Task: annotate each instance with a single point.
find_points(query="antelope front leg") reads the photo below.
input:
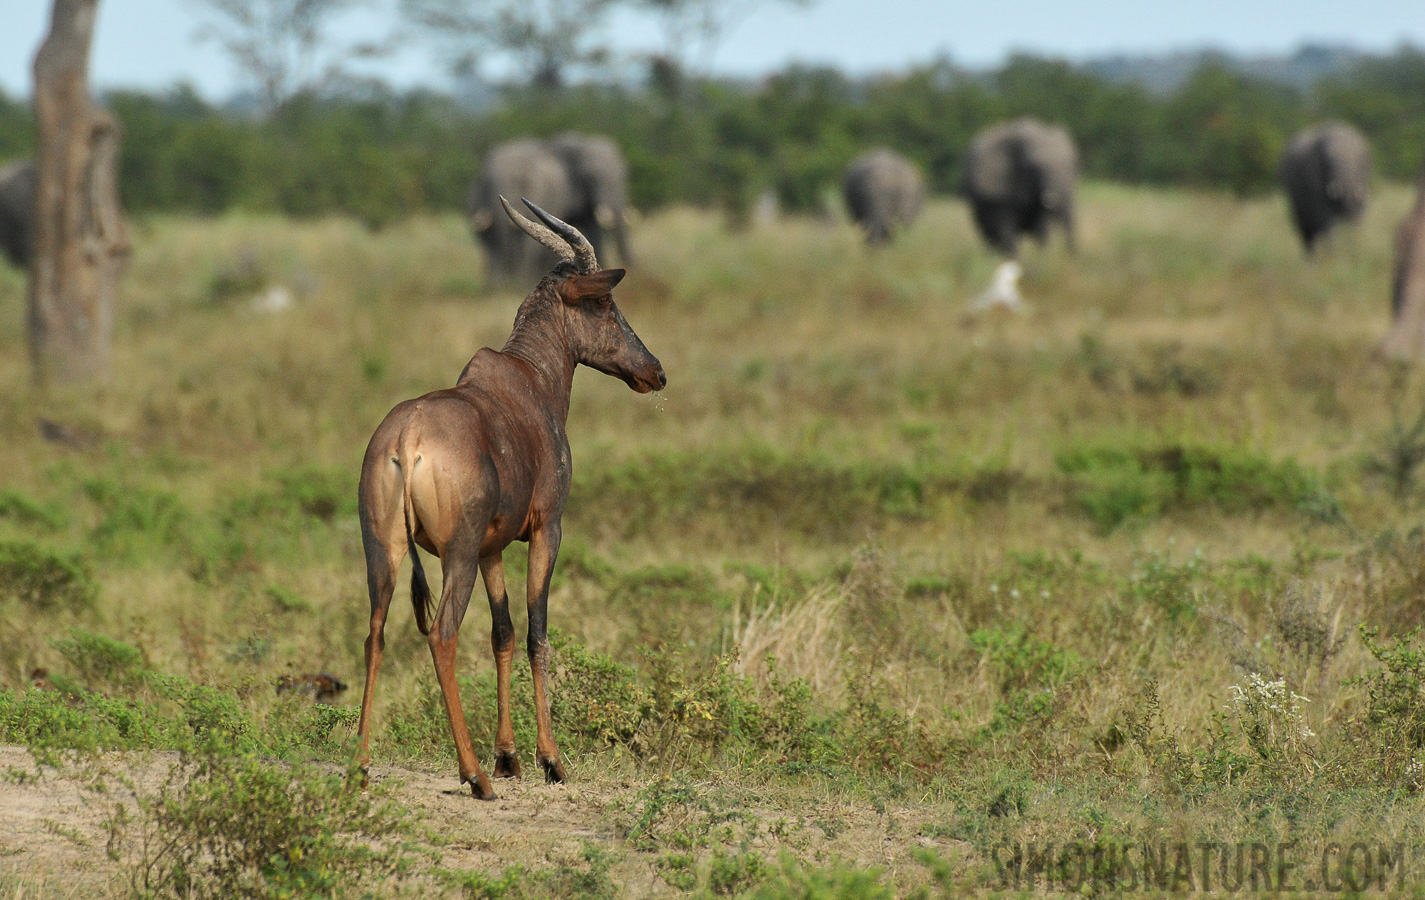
(543, 548)
(502, 642)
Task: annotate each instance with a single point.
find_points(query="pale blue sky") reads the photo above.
(149, 43)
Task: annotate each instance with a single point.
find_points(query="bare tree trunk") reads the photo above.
(1406, 338)
(80, 241)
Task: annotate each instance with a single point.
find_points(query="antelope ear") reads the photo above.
(578, 288)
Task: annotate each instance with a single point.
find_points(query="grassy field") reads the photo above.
(875, 596)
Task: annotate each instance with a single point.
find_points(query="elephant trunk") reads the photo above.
(613, 218)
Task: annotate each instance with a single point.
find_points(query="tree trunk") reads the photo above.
(80, 242)
(1406, 339)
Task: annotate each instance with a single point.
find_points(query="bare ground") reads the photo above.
(52, 842)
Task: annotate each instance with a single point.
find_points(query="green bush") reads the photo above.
(136, 519)
(43, 579)
(1394, 715)
(802, 493)
(17, 506)
(71, 718)
(795, 881)
(597, 700)
(237, 826)
(139, 708)
(320, 493)
(1112, 484)
(96, 658)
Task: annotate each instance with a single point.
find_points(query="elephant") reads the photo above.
(1326, 171)
(1406, 338)
(17, 211)
(579, 178)
(600, 176)
(884, 192)
(1019, 178)
(517, 169)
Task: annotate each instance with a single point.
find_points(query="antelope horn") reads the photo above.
(539, 232)
(583, 250)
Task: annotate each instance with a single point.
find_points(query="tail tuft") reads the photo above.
(419, 591)
(420, 588)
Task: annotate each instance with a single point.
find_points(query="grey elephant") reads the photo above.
(884, 192)
(1406, 338)
(579, 178)
(1326, 171)
(17, 211)
(600, 177)
(518, 169)
(1019, 177)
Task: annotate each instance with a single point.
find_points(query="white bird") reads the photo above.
(274, 299)
(1003, 290)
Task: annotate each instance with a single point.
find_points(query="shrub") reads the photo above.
(597, 699)
(1159, 582)
(71, 718)
(43, 579)
(1401, 449)
(1394, 715)
(215, 718)
(1270, 721)
(674, 812)
(292, 494)
(1028, 670)
(730, 872)
(795, 881)
(1022, 660)
(320, 493)
(221, 827)
(1112, 485)
(96, 658)
(17, 506)
(802, 493)
(147, 709)
(135, 518)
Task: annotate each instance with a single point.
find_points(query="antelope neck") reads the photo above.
(540, 340)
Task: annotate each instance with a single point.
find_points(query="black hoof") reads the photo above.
(507, 765)
(480, 787)
(553, 771)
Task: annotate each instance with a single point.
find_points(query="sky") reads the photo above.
(150, 44)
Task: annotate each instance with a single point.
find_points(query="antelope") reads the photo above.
(465, 471)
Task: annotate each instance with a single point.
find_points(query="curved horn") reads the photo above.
(583, 250)
(539, 232)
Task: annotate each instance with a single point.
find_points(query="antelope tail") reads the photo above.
(420, 588)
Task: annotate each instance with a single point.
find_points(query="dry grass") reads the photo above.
(848, 474)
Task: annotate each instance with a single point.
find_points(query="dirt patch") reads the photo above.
(52, 842)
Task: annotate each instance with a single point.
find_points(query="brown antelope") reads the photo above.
(463, 472)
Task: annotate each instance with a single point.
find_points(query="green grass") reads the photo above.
(873, 589)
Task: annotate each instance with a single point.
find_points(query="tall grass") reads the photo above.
(1060, 573)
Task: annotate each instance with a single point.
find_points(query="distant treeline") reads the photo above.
(717, 142)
